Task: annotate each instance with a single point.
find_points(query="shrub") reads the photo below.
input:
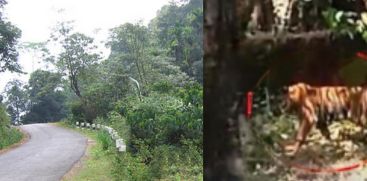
(77, 111)
(8, 135)
(4, 118)
(105, 139)
(176, 163)
(120, 124)
(163, 132)
(129, 167)
(163, 119)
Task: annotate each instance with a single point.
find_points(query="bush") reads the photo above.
(129, 167)
(163, 87)
(166, 117)
(105, 139)
(120, 124)
(8, 135)
(77, 111)
(163, 133)
(164, 162)
(177, 163)
(4, 118)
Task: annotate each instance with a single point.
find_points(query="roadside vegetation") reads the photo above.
(8, 134)
(8, 63)
(149, 89)
(96, 165)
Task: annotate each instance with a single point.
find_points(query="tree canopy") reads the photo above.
(8, 44)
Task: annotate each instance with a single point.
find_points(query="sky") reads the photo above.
(94, 18)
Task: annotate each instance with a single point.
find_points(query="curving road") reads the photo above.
(47, 156)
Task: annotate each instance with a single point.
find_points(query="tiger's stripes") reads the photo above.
(323, 104)
(362, 107)
(328, 102)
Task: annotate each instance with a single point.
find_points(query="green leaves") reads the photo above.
(105, 139)
(329, 16)
(178, 29)
(168, 116)
(338, 16)
(364, 18)
(77, 54)
(346, 23)
(9, 35)
(16, 98)
(45, 91)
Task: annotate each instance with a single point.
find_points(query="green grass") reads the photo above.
(167, 162)
(98, 163)
(9, 137)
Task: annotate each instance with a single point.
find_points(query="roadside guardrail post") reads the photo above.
(120, 145)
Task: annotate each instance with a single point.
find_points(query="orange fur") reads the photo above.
(328, 100)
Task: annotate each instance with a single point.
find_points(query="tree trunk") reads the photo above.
(224, 86)
(74, 86)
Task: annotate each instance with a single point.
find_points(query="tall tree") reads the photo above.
(76, 56)
(177, 27)
(130, 42)
(16, 98)
(9, 38)
(45, 92)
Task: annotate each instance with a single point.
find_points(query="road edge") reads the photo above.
(78, 165)
(74, 170)
(25, 139)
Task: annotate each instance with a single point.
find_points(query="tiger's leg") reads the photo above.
(322, 123)
(307, 122)
(355, 110)
(329, 115)
(360, 114)
(362, 110)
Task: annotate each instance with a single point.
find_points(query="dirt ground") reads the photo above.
(340, 158)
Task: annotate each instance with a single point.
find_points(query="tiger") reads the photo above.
(362, 109)
(315, 105)
(321, 105)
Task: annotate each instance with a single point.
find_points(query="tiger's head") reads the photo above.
(294, 95)
(281, 101)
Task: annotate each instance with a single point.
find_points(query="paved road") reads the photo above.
(47, 156)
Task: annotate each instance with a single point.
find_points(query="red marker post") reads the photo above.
(249, 97)
(362, 55)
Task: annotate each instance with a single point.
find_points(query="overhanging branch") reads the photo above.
(316, 51)
(292, 45)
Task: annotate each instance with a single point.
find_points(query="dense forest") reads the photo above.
(149, 89)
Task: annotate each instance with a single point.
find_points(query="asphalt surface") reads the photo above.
(47, 156)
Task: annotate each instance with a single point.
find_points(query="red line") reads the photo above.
(329, 170)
